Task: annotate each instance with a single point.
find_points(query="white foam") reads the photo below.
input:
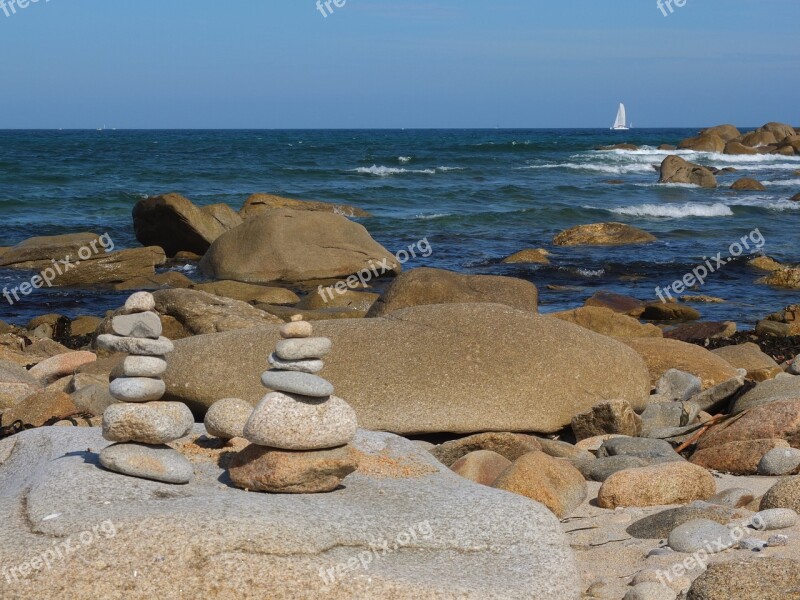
(381, 171)
(445, 169)
(780, 182)
(597, 167)
(675, 211)
(404, 159)
(433, 216)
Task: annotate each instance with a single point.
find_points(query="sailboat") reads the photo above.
(619, 124)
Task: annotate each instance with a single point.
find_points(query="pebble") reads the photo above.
(137, 389)
(297, 330)
(291, 423)
(774, 518)
(794, 368)
(678, 385)
(302, 366)
(701, 534)
(137, 325)
(302, 349)
(151, 423)
(779, 461)
(677, 583)
(777, 540)
(143, 366)
(660, 552)
(140, 302)
(650, 591)
(159, 463)
(293, 382)
(138, 346)
(227, 417)
(752, 544)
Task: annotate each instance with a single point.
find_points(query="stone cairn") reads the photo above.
(139, 423)
(299, 434)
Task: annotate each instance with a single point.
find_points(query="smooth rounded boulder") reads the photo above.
(603, 234)
(674, 169)
(661, 355)
(657, 485)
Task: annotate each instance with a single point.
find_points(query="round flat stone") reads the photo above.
(289, 422)
(700, 534)
(774, 518)
(297, 329)
(151, 423)
(140, 302)
(303, 366)
(227, 417)
(303, 349)
(294, 382)
(143, 366)
(159, 463)
(138, 325)
(137, 389)
(137, 346)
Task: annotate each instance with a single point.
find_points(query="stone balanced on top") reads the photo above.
(140, 424)
(300, 433)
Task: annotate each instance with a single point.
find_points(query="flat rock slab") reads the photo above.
(159, 463)
(294, 382)
(468, 542)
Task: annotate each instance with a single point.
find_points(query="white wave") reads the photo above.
(445, 169)
(404, 159)
(779, 182)
(429, 217)
(388, 171)
(597, 167)
(591, 272)
(675, 211)
(668, 185)
(764, 201)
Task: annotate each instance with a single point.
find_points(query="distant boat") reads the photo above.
(619, 124)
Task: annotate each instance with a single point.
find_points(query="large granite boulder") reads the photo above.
(258, 205)
(460, 368)
(402, 527)
(607, 322)
(175, 224)
(437, 286)
(291, 246)
(706, 142)
(726, 132)
(201, 312)
(661, 355)
(674, 169)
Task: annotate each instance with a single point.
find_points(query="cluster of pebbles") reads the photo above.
(300, 433)
(140, 425)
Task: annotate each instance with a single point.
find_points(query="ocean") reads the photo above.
(475, 195)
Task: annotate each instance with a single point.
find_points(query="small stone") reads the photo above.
(137, 346)
(270, 470)
(666, 551)
(227, 417)
(752, 544)
(481, 466)
(302, 366)
(614, 416)
(159, 463)
(602, 468)
(291, 422)
(659, 525)
(733, 497)
(137, 389)
(701, 534)
(774, 518)
(297, 329)
(293, 382)
(151, 423)
(650, 591)
(779, 461)
(143, 366)
(138, 325)
(296, 318)
(303, 349)
(679, 385)
(593, 444)
(777, 540)
(794, 368)
(641, 447)
(656, 485)
(140, 302)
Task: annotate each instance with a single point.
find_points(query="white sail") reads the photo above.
(621, 118)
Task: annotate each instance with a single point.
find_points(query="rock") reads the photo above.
(779, 130)
(717, 396)
(629, 147)
(528, 256)
(93, 399)
(725, 132)
(302, 366)
(708, 142)
(159, 463)
(248, 292)
(331, 298)
(787, 319)
(16, 382)
(704, 299)
(174, 223)
(777, 540)
(607, 322)
(678, 385)
(701, 534)
(60, 365)
(667, 147)
(296, 329)
(138, 346)
(669, 311)
(481, 466)
(737, 148)
(260, 204)
(84, 325)
(774, 518)
(143, 366)
(662, 415)
(39, 408)
(511, 446)
(748, 184)
(436, 286)
(227, 417)
(640, 447)
(159, 281)
(733, 497)
(689, 332)
(738, 457)
(663, 354)
(45, 249)
(559, 449)
(650, 590)
(151, 423)
(593, 444)
(778, 420)
(291, 246)
(659, 525)
(665, 483)
(603, 234)
(616, 302)
(767, 578)
(293, 382)
(795, 198)
(139, 325)
(674, 169)
(767, 392)
(748, 356)
(784, 494)
(292, 422)
(553, 482)
(137, 389)
(601, 469)
(785, 278)
(303, 348)
(756, 139)
(615, 416)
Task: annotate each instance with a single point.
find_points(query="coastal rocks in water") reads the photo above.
(779, 461)
(289, 245)
(783, 278)
(665, 483)
(260, 204)
(619, 303)
(174, 223)
(553, 482)
(227, 417)
(767, 578)
(508, 445)
(481, 466)
(603, 234)
(765, 263)
(248, 292)
(615, 416)
(701, 534)
(782, 323)
(137, 389)
(737, 148)
(159, 463)
(669, 311)
(528, 256)
(607, 322)
(60, 365)
(737, 458)
(150, 423)
(726, 132)
(748, 184)
(674, 169)
(427, 286)
(46, 249)
(756, 139)
(474, 368)
(707, 330)
(706, 142)
(748, 356)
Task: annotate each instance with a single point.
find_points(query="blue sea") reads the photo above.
(476, 195)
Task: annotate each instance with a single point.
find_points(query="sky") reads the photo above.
(397, 63)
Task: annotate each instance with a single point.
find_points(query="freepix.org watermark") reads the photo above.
(48, 275)
(9, 7)
(751, 242)
(667, 5)
(324, 6)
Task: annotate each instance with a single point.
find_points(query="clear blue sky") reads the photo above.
(397, 63)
